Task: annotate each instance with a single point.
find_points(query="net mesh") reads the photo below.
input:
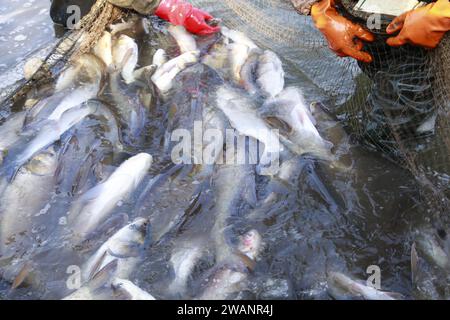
(398, 104)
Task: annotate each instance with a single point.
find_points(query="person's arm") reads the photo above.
(178, 12)
(425, 26)
(344, 37)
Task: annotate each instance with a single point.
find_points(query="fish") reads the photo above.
(249, 71)
(125, 54)
(233, 185)
(164, 75)
(184, 39)
(184, 110)
(230, 277)
(289, 114)
(160, 57)
(127, 102)
(99, 287)
(217, 57)
(331, 129)
(238, 51)
(422, 278)
(270, 74)
(238, 37)
(172, 195)
(10, 132)
(122, 26)
(103, 49)
(35, 183)
(94, 206)
(184, 257)
(92, 141)
(52, 108)
(48, 134)
(129, 291)
(341, 286)
(124, 246)
(243, 116)
(427, 244)
(237, 54)
(87, 69)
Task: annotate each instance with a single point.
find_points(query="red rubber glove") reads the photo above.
(180, 12)
(344, 37)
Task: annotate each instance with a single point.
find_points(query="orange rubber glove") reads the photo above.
(425, 26)
(344, 37)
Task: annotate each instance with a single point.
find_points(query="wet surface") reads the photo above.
(325, 220)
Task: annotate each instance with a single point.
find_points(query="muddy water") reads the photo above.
(326, 221)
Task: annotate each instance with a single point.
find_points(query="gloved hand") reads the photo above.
(344, 37)
(425, 26)
(180, 12)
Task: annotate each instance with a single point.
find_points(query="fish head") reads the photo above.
(141, 228)
(43, 164)
(250, 243)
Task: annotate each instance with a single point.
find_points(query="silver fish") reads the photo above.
(233, 185)
(128, 290)
(129, 107)
(164, 75)
(92, 141)
(125, 54)
(238, 37)
(289, 114)
(10, 132)
(231, 276)
(185, 40)
(96, 204)
(88, 69)
(243, 116)
(270, 74)
(103, 49)
(342, 287)
(123, 246)
(185, 255)
(35, 183)
(432, 250)
(50, 133)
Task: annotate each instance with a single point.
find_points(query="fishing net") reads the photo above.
(399, 104)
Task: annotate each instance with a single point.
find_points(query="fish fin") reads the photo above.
(246, 260)
(22, 275)
(126, 251)
(414, 263)
(10, 172)
(97, 266)
(104, 276)
(157, 181)
(145, 73)
(394, 295)
(250, 192)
